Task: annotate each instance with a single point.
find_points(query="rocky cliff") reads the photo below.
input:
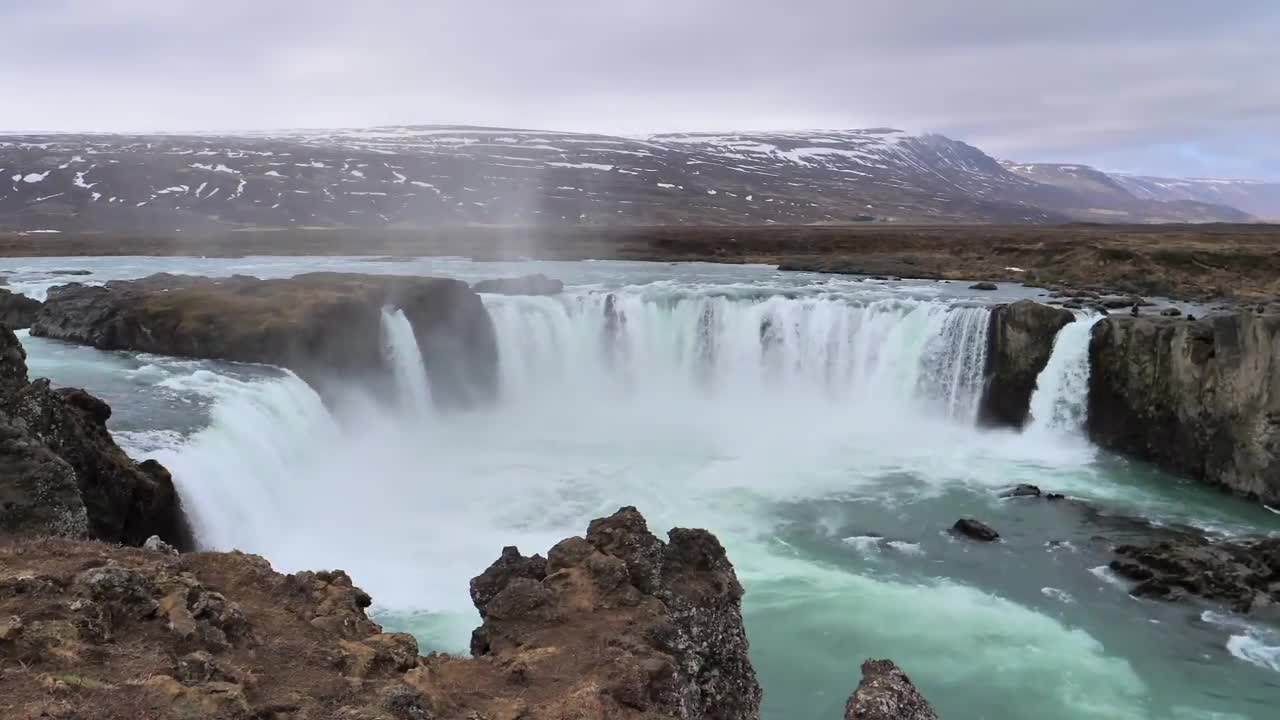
(320, 325)
(62, 474)
(1019, 343)
(617, 624)
(1199, 398)
(17, 311)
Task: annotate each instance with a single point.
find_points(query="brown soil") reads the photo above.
(1187, 261)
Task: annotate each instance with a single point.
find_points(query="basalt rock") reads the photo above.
(975, 529)
(17, 311)
(537, 284)
(616, 624)
(984, 286)
(1021, 490)
(886, 693)
(1243, 575)
(64, 475)
(1200, 398)
(1019, 343)
(323, 326)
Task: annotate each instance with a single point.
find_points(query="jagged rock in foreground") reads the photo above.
(1243, 575)
(17, 311)
(320, 325)
(1199, 398)
(62, 474)
(1019, 344)
(614, 625)
(886, 693)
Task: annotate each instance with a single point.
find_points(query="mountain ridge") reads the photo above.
(427, 175)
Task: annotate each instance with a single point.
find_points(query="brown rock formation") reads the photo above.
(1199, 398)
(1019, 343)
(886, 693)
(62, 474)
(615, 625)
(320, 325)
(1242, 575)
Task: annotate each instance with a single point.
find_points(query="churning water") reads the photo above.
(822, 427)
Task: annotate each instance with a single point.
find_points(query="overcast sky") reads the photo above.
(1179, 87)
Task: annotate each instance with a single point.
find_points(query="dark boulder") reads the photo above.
(60, 454)
(1198, 398)
(1242, 575)
(886, 693)
(17, 311)
(1021, 490)
(984, 286)
(537, 284)
(1019, 343)
(975, 530)
(1170, 312)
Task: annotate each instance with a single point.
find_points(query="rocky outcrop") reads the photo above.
(62, 474)
(537, 284)
(975, 530)
(17, 311)
(1199, 398)
(617, 624)
(1019, 343)
(656, 631)
(1243, 575)
(322, 326)
(886, 693)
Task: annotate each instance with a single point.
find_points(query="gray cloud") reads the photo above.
(1164, 86)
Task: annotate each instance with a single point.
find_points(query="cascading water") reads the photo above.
(405, 358)
(1060, 402)
(901, 356)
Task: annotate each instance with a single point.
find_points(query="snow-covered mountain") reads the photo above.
(431, 175)
(1258, 198)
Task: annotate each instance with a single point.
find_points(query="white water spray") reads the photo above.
(1060, 402)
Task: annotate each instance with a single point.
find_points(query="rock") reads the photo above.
(155, 544)
(1238, 574)
(1171, 312)
(1021, 490)
(323, 326)
(886, 693)
(681, 652)
(1020, 341)
(984, 286)
(974, 529)
(1198, 398)
(1053, 497)
(63, 473)
(538, 284)
(71, 272)
(17, 311)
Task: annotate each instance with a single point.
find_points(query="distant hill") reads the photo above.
(431, 175)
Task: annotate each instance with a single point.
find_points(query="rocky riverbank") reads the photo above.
(323, 326)
(62, 474)
(613, 624)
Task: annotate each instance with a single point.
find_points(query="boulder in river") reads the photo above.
(886, 693)
(975, 530)
(1243, 575)
(1200, 398)
(537, 284)
(323, 326)
(16, 310)
(1021, 490)
(984, 286)
(1019, 343)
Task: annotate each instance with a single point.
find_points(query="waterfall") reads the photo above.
(889, 353)
(405, 359)
(1060, 402)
